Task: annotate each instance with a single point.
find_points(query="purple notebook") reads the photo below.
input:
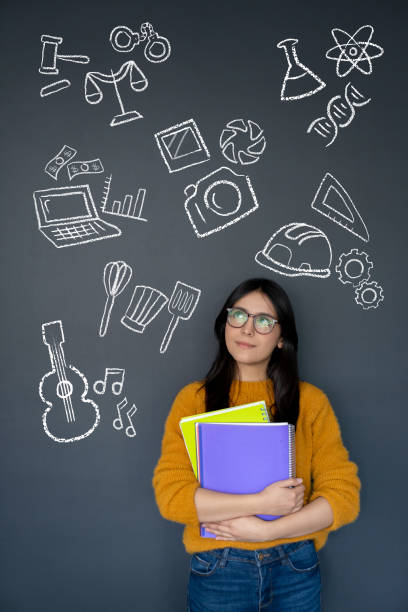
(244, 457)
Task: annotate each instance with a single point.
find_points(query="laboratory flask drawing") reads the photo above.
(299, 81)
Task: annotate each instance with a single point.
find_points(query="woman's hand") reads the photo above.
(243, 528)
(282, 497)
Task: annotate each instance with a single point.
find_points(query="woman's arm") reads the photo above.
(282, 497)
(311, 518)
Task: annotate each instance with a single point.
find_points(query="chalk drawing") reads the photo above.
(182, 146)
(61, 159)
(354, 50)
(340, 113)
(130, 207)
(69, 415)
(50, 55)
(297, 249)
(145, 305)
(114, 379)
(93, 166)
(118, 421)
(333, 201)
(231, 141)
(55, 87)
(158, 48)
(116, 275)
(218, 200)
(354, 267)
(67, 216)
(124, 40)
(369, 295)
(300, 81)
(181, 305)
(137, 81)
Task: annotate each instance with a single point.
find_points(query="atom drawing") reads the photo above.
(351, 52)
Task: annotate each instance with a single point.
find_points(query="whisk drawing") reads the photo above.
(116, 276)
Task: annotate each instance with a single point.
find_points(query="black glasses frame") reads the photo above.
(254, 316)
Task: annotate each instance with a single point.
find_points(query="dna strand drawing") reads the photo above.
(340, 113)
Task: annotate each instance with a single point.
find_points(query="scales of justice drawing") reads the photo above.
(137, 81)
(69, 415)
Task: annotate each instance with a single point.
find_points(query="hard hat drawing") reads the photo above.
(297, 249)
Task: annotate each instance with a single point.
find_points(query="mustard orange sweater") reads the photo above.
(321, 460)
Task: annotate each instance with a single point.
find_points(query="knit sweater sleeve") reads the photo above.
(174, 481)
(334, 475)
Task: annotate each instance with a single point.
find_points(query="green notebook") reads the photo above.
(247, 413)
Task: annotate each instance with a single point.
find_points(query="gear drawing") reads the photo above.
(354, 267)
(369, 295)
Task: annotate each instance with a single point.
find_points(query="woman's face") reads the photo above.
(250, 349)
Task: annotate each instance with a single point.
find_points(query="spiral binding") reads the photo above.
(265, 415)
(292, 451)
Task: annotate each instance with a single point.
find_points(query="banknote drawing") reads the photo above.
(61, 159)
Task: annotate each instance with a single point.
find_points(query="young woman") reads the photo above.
(254, 564)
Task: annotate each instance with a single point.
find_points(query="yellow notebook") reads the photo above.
(247, 413)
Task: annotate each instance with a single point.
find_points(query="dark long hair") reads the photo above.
(282, 368)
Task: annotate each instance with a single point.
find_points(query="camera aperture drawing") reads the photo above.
(242, 141)
(219, 200)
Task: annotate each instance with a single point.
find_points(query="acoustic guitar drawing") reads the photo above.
(69, 415)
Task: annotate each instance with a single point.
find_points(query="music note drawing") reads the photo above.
(114, 378)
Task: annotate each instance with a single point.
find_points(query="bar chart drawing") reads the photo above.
(130, 207)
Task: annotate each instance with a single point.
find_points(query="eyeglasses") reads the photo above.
(263, 323)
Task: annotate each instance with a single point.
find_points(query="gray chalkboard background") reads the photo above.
(79, 525)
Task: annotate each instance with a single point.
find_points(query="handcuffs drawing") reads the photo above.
(124, 39)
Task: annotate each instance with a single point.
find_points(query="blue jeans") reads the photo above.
(283, 577)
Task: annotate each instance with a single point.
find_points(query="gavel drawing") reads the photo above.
(50, 55)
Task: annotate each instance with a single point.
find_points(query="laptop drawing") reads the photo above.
(67, 216)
